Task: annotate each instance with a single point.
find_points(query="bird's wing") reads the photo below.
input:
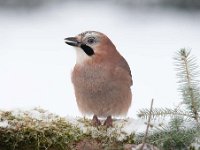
(124, 65)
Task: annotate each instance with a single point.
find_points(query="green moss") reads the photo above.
(57, 134)
(50, 132)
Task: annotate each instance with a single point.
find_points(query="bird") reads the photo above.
(101, 77)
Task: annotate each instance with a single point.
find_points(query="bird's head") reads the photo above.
(90, 45)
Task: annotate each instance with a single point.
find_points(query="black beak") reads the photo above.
(72, 41)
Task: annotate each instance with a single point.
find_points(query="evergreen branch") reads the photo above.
(187, 71)
(183, 129)
(163, 112)
(174, 136)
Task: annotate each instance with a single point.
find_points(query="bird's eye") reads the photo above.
(91, 40)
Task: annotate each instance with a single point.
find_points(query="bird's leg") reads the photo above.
(108, 122)
(95, 121)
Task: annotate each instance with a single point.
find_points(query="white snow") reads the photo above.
(36, 64)
(27, 115)
(4, 124)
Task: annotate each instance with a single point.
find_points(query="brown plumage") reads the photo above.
(101, 77)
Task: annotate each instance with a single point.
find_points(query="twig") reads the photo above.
(148, 124)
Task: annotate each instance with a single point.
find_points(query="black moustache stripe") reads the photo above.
(88, 50)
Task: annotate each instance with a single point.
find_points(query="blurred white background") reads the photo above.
(36, 64)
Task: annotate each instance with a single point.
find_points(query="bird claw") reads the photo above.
(95, 121)
(108, 122)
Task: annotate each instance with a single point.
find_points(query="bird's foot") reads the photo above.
(95, 121)
(108, 122)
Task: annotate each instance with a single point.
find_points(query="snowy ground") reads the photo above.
(39, 119)
(35, 63)
(126, 126)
